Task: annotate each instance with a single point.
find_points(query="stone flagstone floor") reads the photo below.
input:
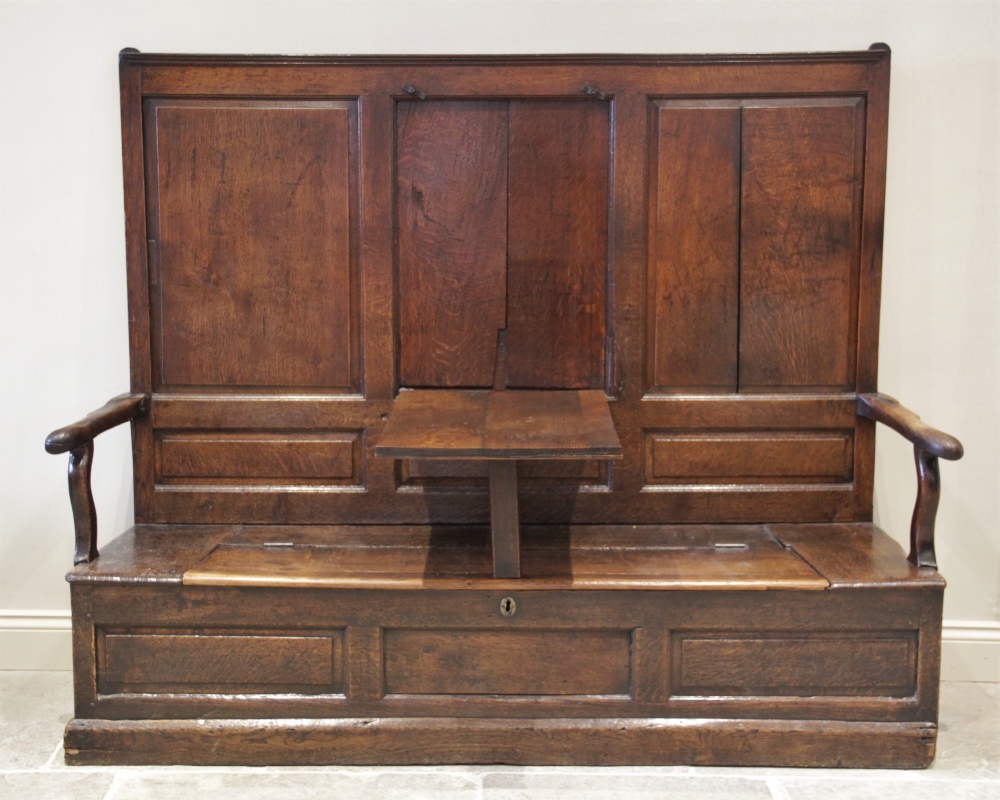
(34, 707)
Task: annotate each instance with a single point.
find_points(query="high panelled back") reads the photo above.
(699, 237)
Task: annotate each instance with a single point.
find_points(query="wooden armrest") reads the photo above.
(928, 445)
(117, 410)
(887, 410)
(78, 440)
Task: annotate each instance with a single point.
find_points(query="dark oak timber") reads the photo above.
(505, 409)
(504, 526)
(81, 499)
(928, 445)
(608, 742)
(120, 409)
(694, 246)
(451, 211)
(487, 424)
(654, 557)
(78, 440)
(501, 426)
(888, 411)
(557, 261)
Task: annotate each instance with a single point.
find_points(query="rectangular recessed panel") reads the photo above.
(451, 227)
(557, 243)
(694, 251)
(800, 242)
(807, 664)
(768, 457)
(507, 662)
(329, 457)
(201, 662)
(251, 255)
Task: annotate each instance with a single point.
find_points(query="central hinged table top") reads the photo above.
(513, 424)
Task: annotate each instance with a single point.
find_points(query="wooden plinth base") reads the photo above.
(610, 742)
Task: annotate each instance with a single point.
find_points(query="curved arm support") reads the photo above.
(81, 498)
(928, 445)
(887, 410)
(119, 409)
(925, 510)
(78, 440)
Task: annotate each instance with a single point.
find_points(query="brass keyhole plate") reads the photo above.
(508, 607)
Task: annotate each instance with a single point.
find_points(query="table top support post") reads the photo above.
(506, 530)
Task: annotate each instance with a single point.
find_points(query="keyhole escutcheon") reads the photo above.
(508, 607)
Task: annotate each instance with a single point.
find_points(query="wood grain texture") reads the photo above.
(508, 662)
(118, 410)
(554, 475)
(257, 457)
(694, 246)
(618, 494)
(78, 440)
(524, 76)
(555, 424)
(872, 226)
(636, 504)
(824, 663)
(800, 215)
(557, 261)
(84, 652)
(365, 663)
(137, 266)
(425, 424)
(197, 540)
(751, 457)
(749, 412)
(610, 239)
(650, 661)
(236, 411)
(863, 612)
(81, 499)
(889, 411)
(855, 556)
(152, 554)
(925, 510)
(505, 526)
(451, 227)
(514, 424)
(616, 558)
(252, 222)
(136, 240)
(377, 268)
(847, 555)
(747, 742)
(208, 662)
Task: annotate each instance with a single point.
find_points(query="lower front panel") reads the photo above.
(183, 652)
(206, 661)
(508, 662)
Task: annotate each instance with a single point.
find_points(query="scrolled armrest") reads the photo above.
(887, 410)
(929, 444)
(78, 440)
(119, 409)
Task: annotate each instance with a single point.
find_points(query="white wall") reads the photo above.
(63, 336)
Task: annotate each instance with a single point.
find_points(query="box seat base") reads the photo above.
(781, 645)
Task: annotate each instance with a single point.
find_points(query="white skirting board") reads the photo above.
(970, 651)
(35, 640)
(40, 640)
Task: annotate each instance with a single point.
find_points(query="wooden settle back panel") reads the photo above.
(700, 237)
